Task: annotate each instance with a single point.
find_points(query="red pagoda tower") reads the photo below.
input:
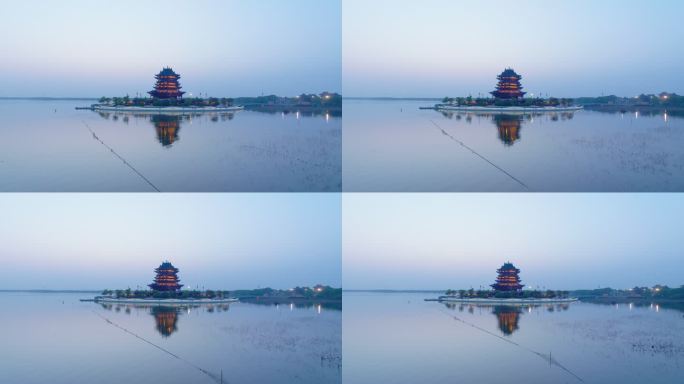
(508, 87)
(508, 279)
(166, 279)
(167, 86)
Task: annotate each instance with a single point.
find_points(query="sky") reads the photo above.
(559, 241)
(435, 48)
(218, 241)
(225, 48)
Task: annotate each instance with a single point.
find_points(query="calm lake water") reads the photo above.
(393, 146)
(54, 338)
(399, 338)
(49, 146)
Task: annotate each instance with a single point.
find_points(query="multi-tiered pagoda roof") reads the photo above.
(508, 279)
(509, 86)
(166, 279)
(167, 85)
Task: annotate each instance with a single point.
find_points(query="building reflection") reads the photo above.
(508, 125)
(508, 316)
(167, 126)
(166, 317)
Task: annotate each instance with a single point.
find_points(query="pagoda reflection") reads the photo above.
(508, 317)
(167, 127)
(508, 125)
(166, 319)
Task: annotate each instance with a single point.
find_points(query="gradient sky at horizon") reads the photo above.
(559, 241)
(77, 48)
(435, 48)
(219, 241)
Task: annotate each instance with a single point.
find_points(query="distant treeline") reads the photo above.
(671, 103)
(323, 292)
(322, 100)
(658, 292)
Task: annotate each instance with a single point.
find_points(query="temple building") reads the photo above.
(508, 87)
(508, 279)
(167, 86)
(166, 279)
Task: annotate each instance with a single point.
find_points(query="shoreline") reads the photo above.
(163, 301)
(444, 107)
(503, 301)
(163, 110)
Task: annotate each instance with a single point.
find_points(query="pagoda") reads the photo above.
(508, 87)
(167, 86)
(508, 279)
(166, 279)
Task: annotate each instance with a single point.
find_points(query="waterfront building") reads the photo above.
(166, 279)
(508, 279)
(508, 87)
(167, 85)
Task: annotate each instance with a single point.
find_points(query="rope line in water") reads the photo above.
(464, 145)
(96, 137)
(548, 358)
(214, 377)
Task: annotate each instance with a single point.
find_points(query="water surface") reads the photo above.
(399, 338)
(54, 338)
(393, 146)
(49, 146)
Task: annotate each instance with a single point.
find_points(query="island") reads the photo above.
(167, 97)
(507, 97)
(506, 290)
(166, 289)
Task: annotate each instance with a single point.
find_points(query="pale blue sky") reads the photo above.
(559, 241)
(221, 241)
(434, 48)
(221, 47)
